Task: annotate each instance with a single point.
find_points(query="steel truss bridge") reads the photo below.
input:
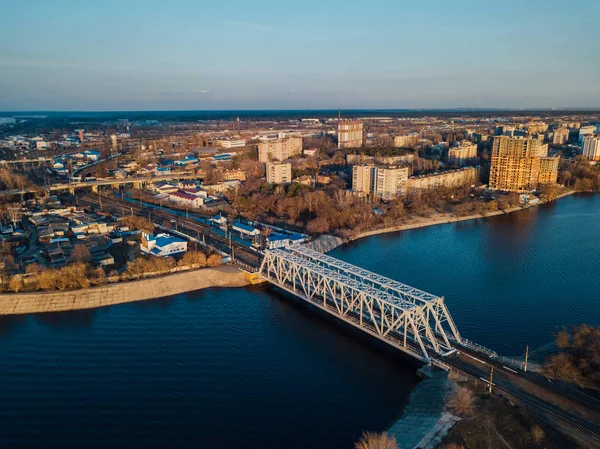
(416, 322)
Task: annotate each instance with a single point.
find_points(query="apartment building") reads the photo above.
(390, 183)
(516, 163)
(350, 133)
(278, 173)
(444, 179)
(548, 170)
(280, 149)
(560, 136)
(591, 147)
(408, 141)
(586, 131)
(381, 182)
(362, 178)
(460, 154)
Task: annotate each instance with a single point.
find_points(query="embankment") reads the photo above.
(123, 292)
(435, 219)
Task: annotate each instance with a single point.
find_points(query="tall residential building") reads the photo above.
(560, 136)
(408, 141)
(548, 170)
(278, 173)
(280, 149)
(390, 183)
(516, 163)
(350, 133)
(382, 182)
(537, 127)
(585, 131)
(362, 178)
(461, 154)
(591, 148)
(113, 139)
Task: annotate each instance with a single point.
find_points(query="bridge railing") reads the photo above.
(476, 347)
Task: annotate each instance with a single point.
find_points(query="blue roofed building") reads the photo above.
(163, 245)
(245, 230)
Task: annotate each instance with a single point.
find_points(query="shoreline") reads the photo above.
(445, 218)
(122, 292)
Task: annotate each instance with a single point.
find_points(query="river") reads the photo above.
(250, 368)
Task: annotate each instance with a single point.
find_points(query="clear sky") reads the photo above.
(321, 54)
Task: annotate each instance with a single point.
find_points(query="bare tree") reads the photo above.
(372, 440)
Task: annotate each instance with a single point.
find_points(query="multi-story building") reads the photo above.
(362, 178)
(537, 128)
(278, 173)
(390, 183)
(280, 149)
(548, 173)
(229, 175)
(591, 147)
(350, 133)
(560, 136)
(585, 131)
(228, 143)
(480, 137)
(516, 163)
(407, 141)
(444, 179)
(460, 154)
(381, 182)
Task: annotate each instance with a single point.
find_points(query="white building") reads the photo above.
(591, 148)
(163, 245)
(585, 131)
(382, 182)
(186, 199)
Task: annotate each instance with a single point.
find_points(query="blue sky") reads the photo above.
(226, 54)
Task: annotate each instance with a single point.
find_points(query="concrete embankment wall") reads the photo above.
(110, 294)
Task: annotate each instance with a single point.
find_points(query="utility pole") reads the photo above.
(491, 379)
(526, 358)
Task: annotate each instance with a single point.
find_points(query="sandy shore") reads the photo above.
(122, 292)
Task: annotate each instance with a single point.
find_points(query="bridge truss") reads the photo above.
(412, 320)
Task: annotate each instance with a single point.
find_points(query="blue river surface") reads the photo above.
(231, 368)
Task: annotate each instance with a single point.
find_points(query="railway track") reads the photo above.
(188, 226)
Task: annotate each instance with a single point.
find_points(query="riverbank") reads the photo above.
(123, 292)
(326, 242)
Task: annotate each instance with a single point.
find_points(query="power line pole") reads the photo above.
(491, 379)
(526, 358)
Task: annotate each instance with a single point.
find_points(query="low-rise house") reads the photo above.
(186, 199)
(245, 230)
(163, 187)
(188, 160)
(219, 221)
(163, 245)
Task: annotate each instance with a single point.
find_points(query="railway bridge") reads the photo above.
(411, 320)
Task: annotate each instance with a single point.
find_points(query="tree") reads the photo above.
(372, 440)
(214, 260)
(193, 258)
(462, 401)
(80, 253)
(317, 226)
(537, 433)
(15, 283)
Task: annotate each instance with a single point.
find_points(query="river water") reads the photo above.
(250, 368)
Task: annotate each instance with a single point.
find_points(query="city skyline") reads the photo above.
(68, 56)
